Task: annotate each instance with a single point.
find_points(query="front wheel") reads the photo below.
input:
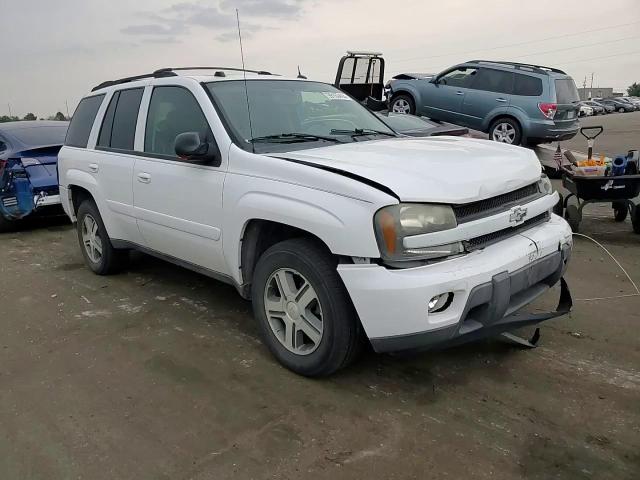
(506, 130)
(620, 211)
(402, 104)
(621, 110)
(303, 310)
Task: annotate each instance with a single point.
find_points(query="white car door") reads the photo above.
(178, 204)
(113, 160)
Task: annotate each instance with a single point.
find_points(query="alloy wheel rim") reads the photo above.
(401, 106)
(504, 132)
(293, 311)
(91, 239)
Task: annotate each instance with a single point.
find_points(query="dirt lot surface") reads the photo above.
(158, 373)
(621, 134)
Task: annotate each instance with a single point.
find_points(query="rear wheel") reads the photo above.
(97, 250)
(402, 104)
(573, 217)
(6, 225)
(620, 211)
(303, 310)
(506, 130)
(621, 110)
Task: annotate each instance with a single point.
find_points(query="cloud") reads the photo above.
(181, 17)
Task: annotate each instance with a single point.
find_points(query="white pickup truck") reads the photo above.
(337, 228)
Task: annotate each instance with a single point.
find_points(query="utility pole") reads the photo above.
(67, 105)
(591, 79)
(9, 105)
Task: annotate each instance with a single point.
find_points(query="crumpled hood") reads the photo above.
(434, 169)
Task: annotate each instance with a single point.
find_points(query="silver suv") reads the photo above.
(515, 103)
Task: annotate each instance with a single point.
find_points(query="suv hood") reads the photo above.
(437, 169)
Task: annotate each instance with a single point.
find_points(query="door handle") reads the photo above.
(144, 177)
(93, 167)
(501, 100)
(459, 93)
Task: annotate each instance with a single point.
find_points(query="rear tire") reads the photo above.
(573, 217)
(98, 252)
(310, 326)
(621, 110)
(6, 226)
(402, 104)
(506, 130)
(620, 211)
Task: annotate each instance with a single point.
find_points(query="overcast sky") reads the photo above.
(56, 50)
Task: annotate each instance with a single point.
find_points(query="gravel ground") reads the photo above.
(159, 373)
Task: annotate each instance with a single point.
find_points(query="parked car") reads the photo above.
(620, 107)
(415, 126)
(635, 104)
(607, 108)
(585, 110)
(28, 176)
(596, 108)
(336, 228)
(515, 103)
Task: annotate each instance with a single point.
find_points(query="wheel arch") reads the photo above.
(260, 234)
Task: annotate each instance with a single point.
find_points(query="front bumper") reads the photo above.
(489, 287)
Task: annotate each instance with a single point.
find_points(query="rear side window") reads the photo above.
(82, 121)
(493, 81)
(566, 91)
(119, 125)
(527, 85)
(172, 111)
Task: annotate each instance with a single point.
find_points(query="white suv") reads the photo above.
(332, 224)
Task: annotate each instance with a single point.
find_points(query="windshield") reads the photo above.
(566, 91)
(314, 112)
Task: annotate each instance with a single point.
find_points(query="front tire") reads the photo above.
(98, 252)
(506, 130)
(303, 310)
(402, 104)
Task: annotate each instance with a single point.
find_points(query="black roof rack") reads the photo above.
(522, 66)
(170, 72)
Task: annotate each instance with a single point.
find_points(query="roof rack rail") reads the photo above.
(170, 72)
(520, 65)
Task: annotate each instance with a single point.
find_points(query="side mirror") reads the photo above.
(190, 147)
(434, 80)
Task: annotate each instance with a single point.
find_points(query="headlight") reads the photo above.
(395, 222)
(544, 185)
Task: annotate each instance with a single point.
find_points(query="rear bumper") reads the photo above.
(548, 130)
(489, 287)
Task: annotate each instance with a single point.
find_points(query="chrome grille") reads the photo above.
(10, 201)
(491, 206)
(493, 237)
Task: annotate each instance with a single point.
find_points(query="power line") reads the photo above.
(578, 46)
(600, 58)
(518, 44)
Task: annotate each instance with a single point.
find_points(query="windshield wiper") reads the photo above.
(293, 137)
(358, 132)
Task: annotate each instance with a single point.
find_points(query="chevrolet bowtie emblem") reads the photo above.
(517, 214)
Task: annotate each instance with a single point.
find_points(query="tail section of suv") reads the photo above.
(338, 230)
(515, 103)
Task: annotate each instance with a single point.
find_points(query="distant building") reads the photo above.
(587, 93)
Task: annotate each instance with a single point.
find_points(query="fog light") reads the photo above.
(440, 302)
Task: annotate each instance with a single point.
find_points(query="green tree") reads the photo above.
(30, 116)
(634, 90)
(60, 117)
(7, 118)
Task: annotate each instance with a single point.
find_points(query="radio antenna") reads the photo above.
(246, 90)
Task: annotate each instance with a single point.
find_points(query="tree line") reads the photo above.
(30, 116)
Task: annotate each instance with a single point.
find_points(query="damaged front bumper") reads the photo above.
(489, 289)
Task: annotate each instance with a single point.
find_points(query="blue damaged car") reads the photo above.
(28, 168)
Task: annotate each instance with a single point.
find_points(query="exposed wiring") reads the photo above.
(637, 294)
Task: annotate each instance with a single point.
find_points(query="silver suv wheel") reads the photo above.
(504, 132)
(293, 311)
(91, 239)
(401, 106)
